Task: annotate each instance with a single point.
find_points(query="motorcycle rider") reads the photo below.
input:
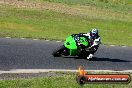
(94, 39)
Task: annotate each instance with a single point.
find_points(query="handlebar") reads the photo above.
(76, 38)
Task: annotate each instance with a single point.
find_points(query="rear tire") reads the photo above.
(82, 54)
(58, 51)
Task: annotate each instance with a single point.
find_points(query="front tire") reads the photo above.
(58, 51)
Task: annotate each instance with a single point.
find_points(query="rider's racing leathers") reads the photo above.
(94, 43)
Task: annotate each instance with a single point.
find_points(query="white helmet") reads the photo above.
(94, 33)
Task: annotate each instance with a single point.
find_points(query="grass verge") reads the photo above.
(57, 23)
(68, 80)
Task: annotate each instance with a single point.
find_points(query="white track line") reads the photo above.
(124, 46)
(54, 70)
(35, 39)
(58, 41)
(112, 45)
(47, 40)
(22, 38)
(7, 37)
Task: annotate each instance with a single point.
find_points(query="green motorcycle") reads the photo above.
(71, 47)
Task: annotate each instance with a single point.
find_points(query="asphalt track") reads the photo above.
(31, 54)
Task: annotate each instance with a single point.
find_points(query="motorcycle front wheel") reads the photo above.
(59, 51)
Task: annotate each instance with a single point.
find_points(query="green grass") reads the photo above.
(68, 80)
(114, 27)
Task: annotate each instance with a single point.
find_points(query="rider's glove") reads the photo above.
(80, 34)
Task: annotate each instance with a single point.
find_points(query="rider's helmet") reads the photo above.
(94, 33)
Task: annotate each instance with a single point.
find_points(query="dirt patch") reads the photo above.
(75, 10)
